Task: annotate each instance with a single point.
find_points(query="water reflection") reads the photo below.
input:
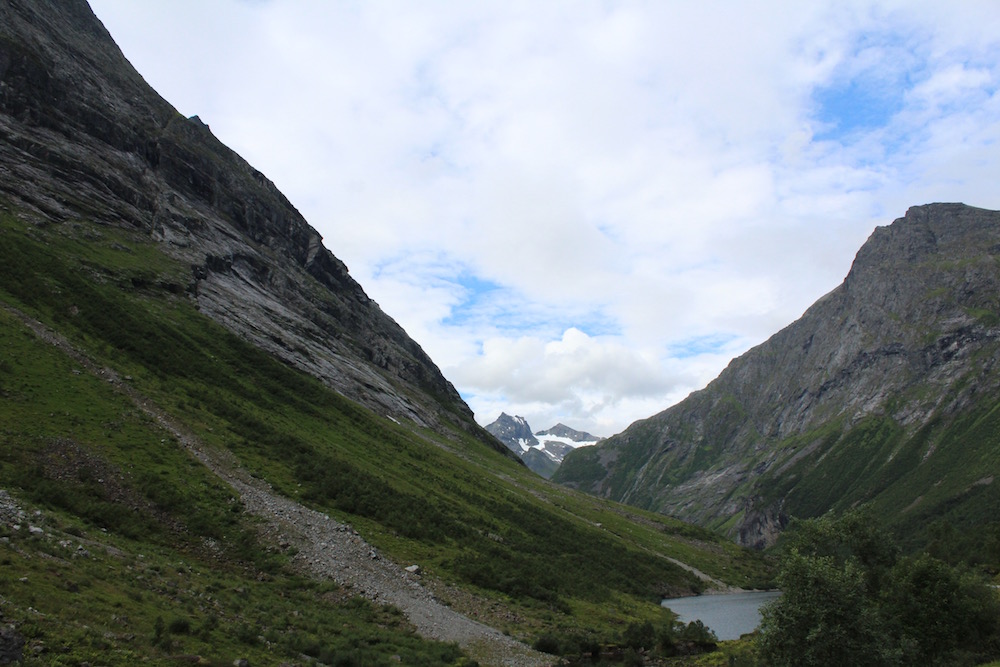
(729, 615)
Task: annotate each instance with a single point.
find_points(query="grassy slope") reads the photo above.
(555, 560)
(934, 487)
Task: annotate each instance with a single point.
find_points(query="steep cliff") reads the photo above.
(884, 392)
(82, 136)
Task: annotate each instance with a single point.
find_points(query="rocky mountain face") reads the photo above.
(884, 392)
(513, 432)
(555, 443)
(82, 136)
(543, 451)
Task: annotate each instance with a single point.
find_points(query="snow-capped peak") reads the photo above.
(542, 451)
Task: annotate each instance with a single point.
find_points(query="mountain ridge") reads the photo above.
(563, 431)
(900, 350)
(78, 118)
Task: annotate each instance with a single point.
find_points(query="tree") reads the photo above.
(940, 615)
(639, 636)
(824, 616)
(850, 598)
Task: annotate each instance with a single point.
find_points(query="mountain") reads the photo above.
(542, 451)
(540, 462)
(215, 447)
(883, 392)
(513, 432)
(84, 136)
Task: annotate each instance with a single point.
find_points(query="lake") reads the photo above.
(728, 615)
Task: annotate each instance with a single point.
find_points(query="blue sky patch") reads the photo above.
(693, 347)
(503, 308)
(870, 86)
(861, 104)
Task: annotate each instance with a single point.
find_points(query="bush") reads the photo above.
(938, 612)
(699, 635)
(548, 643)
(179, 626)
(631, 658)
(639, 636)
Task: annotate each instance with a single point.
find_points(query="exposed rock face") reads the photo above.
(857, 401)
(540, 462)
(513, 432)
(83, 136)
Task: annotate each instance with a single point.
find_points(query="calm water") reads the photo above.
(728, 615)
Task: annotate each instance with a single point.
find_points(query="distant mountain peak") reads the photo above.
(543, 451)
(514, 432)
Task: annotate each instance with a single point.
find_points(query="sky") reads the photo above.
(583, 210)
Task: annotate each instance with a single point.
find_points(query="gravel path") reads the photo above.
(325, 548)
(334, 550)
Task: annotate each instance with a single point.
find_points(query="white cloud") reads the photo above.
(582, 211)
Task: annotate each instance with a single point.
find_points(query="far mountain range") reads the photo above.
(542, 451)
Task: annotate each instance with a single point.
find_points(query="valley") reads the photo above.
(216, 449)
(187, 458)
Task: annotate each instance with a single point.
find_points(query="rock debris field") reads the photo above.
(324, 548)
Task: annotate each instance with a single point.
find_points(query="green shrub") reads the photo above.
(179, 626)
(699, 635)
(631, 658)
(639, 636)
(548, 643)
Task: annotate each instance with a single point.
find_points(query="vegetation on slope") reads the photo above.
(551, 560)
(934, 487)
(77, 595)
(947, 502)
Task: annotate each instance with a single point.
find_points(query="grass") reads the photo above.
(474, 520)
(82, 595)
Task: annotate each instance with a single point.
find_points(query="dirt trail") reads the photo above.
(324, 548)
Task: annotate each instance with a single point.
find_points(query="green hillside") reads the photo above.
(919, 495)
(174, 565)
(947, 502)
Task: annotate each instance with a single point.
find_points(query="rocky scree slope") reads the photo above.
(885, 391)
(83, 136)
